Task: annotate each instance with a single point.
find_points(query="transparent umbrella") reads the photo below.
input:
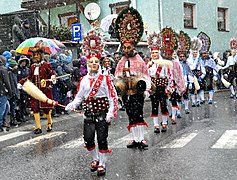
(105, 22)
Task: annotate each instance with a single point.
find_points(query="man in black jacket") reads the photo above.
(5, 91)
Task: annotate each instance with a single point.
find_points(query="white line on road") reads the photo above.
(73, 144)
(13, 135)
(227, 141)
(38, 139)
(181, 142)
(122, 142)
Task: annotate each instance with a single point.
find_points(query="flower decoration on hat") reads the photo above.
(169, 42)
(206, 41)
(129, 25)
(39, 47)
(196, 44)
(233, 43)
(184, 43)
(93, 45)
(154, 41)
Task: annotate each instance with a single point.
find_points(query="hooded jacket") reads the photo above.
(5, 86)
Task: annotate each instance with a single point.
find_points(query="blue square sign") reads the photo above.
(76, 32)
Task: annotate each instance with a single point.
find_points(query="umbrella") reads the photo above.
(105, 22)
(49, 45)
(59, 43)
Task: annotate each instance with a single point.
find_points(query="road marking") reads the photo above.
(38, 139)
(121, 142)
(73, 144)
(181, 142)
(13, 135)
(227, 141)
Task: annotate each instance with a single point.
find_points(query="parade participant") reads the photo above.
(40, 70)
(99, 99)
(182, 51)
(180, 88)
(211, 75)
(189, 80)
(230, 65)
(162, 79)
(131, 75)
(196, 65)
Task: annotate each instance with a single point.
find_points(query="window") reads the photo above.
(189, 15)
(221, 19)
(67, 19)
(117, 7)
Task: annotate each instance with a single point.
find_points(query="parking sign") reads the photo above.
(76, 32)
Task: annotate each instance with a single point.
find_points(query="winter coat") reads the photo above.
(13, 81)
(17, 33)
(5, 86)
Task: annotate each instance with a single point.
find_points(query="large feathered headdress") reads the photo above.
(129, 26)
(93, 45)
(206, 41)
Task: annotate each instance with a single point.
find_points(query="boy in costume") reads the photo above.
(99, 100)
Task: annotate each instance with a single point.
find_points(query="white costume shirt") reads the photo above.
(103, 91)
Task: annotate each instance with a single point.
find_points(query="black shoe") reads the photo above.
(49, 127)
(193, 105)
(94, 165)
(232, 95)
(143, 144)
(132, 144)
(164, 128)
(101, 171)
(156, 130)
(198, 104)
(37, 131)
(14, 123)
(187, 111)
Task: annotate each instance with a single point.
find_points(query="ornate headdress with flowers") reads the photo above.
(129, 26)
(206, 41)
(184, 43)
(169, 42)
(233, 43)
(154, 41)
(196, 44)
(93, 45)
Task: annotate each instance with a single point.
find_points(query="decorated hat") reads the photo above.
(196, 44)
(233, 44)
(129, 26)
(169, 42)
(206, 41)
(93, 45)
(154, 41)
(39, 47)
(184, 43)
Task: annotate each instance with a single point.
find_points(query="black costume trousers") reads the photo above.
(134, 108)
(159, 98)
(96, 123)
